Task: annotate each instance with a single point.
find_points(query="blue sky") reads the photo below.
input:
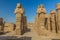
(7, 8)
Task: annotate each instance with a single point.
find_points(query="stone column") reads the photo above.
(36, 25)
(19, 13)
(24, 23)
(58, 16)
(48, 22)
(53, 22)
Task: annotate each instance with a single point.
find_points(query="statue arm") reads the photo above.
(22, 11)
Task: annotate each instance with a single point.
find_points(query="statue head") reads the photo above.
(58, 6)
(41, 6)
(41, 9)
(19, 5)
(52, 12)
(19, 9)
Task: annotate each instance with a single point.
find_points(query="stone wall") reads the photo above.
(8, 27)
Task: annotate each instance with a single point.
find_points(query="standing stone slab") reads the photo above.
(58, 16)
(53, 22)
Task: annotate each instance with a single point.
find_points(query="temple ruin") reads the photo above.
(44, 24)
(47, 23)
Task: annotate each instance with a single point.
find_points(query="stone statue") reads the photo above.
(41, 9)
(19, 9)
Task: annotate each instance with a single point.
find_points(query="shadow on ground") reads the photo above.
(27, 30)
(14, 38)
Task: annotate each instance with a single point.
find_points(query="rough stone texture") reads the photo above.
(58, 16)
(30, 24)
(1, 25)
(45, 27)
(36, 25)
(19, 11)
(48, 22)
(53, 22)
(8, 27)
(20, 20)
(24, 23)
(40, 21)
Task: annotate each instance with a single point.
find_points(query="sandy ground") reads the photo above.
(30, 35)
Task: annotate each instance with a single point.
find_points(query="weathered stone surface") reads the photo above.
(58, 16)
(46, 24)
(41, 9)
(20, 20)
(40, 21)
(45, 27)
(8, 27)
(19, 9)
(24, 23)
(53, 22)
(1, 25)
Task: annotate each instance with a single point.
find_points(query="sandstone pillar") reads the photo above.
(36, 26)
(58, 16)
(48, 22)
(53, 22)
(24, 23)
